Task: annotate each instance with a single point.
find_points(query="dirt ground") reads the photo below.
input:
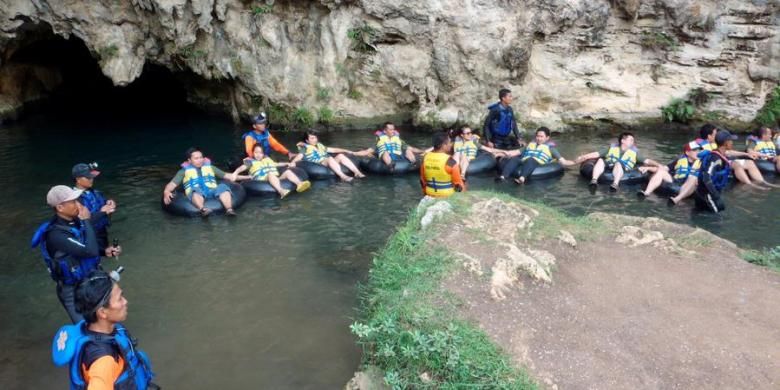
(632, 315)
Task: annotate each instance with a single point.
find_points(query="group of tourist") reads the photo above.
(101, 352)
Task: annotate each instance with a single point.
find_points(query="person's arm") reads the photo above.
(488, 127)
(515, 131)
(64, 241)
(422, 177)
(338, 150)
(735, 153)
(171, 186)
(277, 146)
(587, 156)
(297, 158)
(249, 144)
(102, 373)
(454, 170)
(557, 155)
(241, 168)
(220, 174)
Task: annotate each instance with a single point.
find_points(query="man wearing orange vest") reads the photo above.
(439, 172)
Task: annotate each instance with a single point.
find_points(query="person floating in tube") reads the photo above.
(620, 158)
(313, 151)
(99, 351)
(538, 153)
(199, 179)
(683, 172)
(766, 148)
(390, 147)
(99, 207)
(69, 245)
(259, 135)
(439, 172)
(465, 147)
(263, 168)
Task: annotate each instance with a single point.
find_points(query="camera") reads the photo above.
(93, 165)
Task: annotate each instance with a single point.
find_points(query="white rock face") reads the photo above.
(436, 61)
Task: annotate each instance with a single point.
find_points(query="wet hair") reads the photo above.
(544, 130)
(706, 130)
(503, 92)
(624, 135)
(191, 150)
(92, 293)
(439, 138)
(308, 133)
(387, 124)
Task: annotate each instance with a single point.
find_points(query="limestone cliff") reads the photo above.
(565, 60)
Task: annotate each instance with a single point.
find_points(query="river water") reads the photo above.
(263, 300)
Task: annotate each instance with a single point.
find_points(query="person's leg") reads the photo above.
(386, 158)
(617, 174)
(777, 164)
(409, 154)
(756, 175)
(226, 198)
(598, 170)
(66, 295)
(350, 165)
(463, 162)
(526, 170)
(334, 165)
(659, 177)
(274, 181)
(510, 167)
(686, 190)
(291, 176)
(740, 168)
(198, 200)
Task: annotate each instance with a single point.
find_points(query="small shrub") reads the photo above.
(766, 257)
(279, 113)
(323, 94)
(108, 51)
(769, 114)
(363, 38)
(191, 52)
(354, 94)
(262, 9)
(658, 40)
(325, 115)
(303, 117)
(678, 110)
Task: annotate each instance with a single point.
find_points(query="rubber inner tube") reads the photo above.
(321, 172)
(378, 167)
(766, 166)
(263, 188)
(181, 205)
(541, 172)
(484, 162)
(631, 177)
(668, 189)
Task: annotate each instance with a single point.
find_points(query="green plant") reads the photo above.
(279, 113)
(354, 94)
(261, 9)
(408, 327)
(658, 40)
(323, 94)
(363, 38)
(769, 114)
(108, 51)
(766, 257)
(678, 110)
(303, 117)
(191, 52)
(341, 70)
(325, 115)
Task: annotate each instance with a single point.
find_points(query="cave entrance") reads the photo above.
(82, 89)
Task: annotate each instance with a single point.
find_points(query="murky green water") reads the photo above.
(263, 300)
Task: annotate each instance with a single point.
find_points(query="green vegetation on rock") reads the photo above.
(769, 114)
(108, 51)
(658, 40)
(363, 38)
(325, 115)
(682, 110)
(765, 257)
(303, 117)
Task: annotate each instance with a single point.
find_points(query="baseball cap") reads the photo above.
(723, 135)
(260, 119)
(59, 194)
(83, 170)
(693, 145)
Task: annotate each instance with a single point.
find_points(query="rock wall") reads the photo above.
(436, 61)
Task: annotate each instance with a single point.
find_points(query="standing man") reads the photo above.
(439, 172)
(199, 179)
(99, 208)
(260, 135)
(69, 246)
(500, 123)
(101, 353)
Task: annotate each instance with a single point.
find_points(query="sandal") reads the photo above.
(205, 211)
(230, 213)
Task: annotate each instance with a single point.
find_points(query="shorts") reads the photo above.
(222, 187)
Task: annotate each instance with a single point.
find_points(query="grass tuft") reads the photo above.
(766, 257)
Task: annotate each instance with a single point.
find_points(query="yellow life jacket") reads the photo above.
(706, 145)
(205, 181)
(467, 148)
(314, 153)
(540, 153)
(766, 147)
(683, 168)
(627, 159)
(437, 181)
(261, 169)
(390, 144)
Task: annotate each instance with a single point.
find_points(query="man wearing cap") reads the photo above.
(745, 170)
(68, 244)
(714, 176)
(99, 208)
(683, 172)
(260, 135)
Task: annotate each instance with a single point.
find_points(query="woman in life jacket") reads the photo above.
(263, 169)
(679, 178)
(763, 144)
(466, 147)
(311, 150)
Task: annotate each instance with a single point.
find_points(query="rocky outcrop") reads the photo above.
(436, 61)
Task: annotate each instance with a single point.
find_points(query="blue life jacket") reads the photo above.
(261, 139)
(720, 178)
(68, 348)
(93, 200)
(503, 126)
(66, 269)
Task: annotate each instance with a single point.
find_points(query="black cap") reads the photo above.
(722, 136)
(83, 170)
(260, 119)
